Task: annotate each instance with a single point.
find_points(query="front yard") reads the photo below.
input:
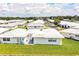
(69, 47)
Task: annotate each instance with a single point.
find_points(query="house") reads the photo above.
(44, 36)
(38, 24)
(32, 36)
(14, 36)
(13, 25)
(71, 33)
(67, 24)
(51, 23)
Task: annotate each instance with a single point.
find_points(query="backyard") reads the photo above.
(69, 47)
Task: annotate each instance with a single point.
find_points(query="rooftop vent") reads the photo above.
(41, 29)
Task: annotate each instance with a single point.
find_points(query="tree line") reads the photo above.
(72, 18)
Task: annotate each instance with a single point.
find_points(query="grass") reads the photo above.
(69, 48)
(23, 27)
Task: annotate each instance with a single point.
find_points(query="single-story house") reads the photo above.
(71, 33)
(67, 24)
(14, 36)
(13, 25)
(32, 36)
(38, 24)
(44, 36)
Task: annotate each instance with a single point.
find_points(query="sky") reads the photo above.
(38, 9)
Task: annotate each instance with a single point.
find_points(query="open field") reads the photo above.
(69, 47)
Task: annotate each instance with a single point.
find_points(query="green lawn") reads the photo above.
(69, 47)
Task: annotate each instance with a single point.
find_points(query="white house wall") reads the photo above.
(45, 41)
(12, 40)
(76, 38)
(68, 35)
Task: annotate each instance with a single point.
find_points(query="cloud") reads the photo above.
(38, 9)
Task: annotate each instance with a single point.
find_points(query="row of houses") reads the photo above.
(35, 34)
(71, 33)
(67, 24)
(12, 23)
(38, 24)
(71, 29)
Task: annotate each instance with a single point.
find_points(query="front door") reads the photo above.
(31, 41)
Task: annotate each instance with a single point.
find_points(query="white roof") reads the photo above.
(65, 19)
(2, 30)
(12, 24)
(73, 31)
(45, 33)
(15, 33)
(30, 20)
(15, 20)
(33, 31)
(36, 23)
(69, 23)
(19, 23)
(50, 20)
(39, 21)
(76, 27)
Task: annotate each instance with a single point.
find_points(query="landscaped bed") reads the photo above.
(69, 47)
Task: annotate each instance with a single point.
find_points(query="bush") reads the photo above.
(56, 21)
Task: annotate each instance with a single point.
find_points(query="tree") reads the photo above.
(60, 17)
(56, 21)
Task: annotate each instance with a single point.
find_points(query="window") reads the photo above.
(70, 34)
(6, 39)
(52, 40)
(35, 27)
(77, 35)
